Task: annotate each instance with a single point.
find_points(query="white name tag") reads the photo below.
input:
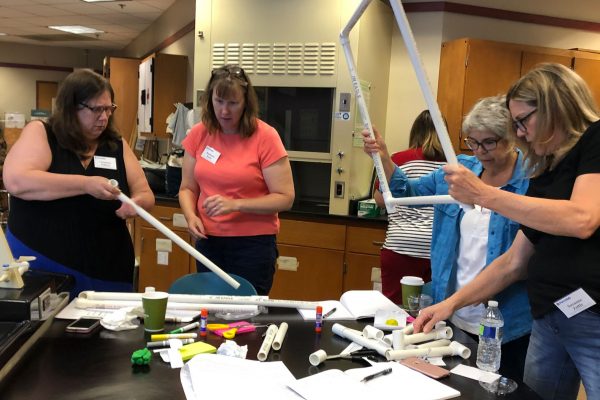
(105, 162)
(574, 303)
(211, 155)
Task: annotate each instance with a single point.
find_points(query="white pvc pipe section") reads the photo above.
(432, 105)
(435, 343)
(357, 337)
(400, 340)
(196, 298)
(370, 332)
(82, 303)
(266, 344)
(454, 349)
(278, 341)
(179, 241)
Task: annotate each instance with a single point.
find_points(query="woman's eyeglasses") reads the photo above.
(231, 71)
(486, 144)
(98, 110)
(519, 123)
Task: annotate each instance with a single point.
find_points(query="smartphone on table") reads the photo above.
(83, 325)
(418, 364)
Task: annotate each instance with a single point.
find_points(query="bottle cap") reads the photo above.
(204, 312)
(492, 303)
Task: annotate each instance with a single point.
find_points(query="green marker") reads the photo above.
(186, 328)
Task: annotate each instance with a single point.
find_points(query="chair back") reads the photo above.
(210, 283)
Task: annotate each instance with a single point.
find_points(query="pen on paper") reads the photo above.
(367, 378)
(329, 313)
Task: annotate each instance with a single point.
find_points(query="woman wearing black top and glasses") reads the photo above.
(63, 210)
(557, 249)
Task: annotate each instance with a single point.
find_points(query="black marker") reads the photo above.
(376, 375)
(328, 313)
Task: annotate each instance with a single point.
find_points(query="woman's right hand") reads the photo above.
(429, 316)
(196, 227)
(374, 145)
(101, 188)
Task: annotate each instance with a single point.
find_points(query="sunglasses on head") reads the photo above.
(230, 71)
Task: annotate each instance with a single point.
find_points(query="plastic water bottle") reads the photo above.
(490, 338)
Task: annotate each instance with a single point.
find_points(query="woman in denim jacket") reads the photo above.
(465, 242)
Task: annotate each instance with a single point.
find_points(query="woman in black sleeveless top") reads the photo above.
(63, 209)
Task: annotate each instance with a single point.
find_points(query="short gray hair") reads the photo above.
(489, 114)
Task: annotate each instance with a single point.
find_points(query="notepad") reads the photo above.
(190, 350)
(354, 304)
(401, 383)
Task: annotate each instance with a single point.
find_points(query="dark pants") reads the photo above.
(251, 257)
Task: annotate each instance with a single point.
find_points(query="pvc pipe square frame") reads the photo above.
(434, 110)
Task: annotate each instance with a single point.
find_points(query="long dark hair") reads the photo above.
(79, 87)
(225, 82)
(423, 135)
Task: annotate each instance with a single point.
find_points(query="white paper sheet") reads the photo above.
(215, 376)
(401, 383)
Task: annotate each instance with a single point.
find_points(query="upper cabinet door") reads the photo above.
(589, 70)
(145, 96)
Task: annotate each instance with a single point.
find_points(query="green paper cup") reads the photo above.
(411, 286)
(155, 308)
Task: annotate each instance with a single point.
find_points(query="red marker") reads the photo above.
(203, 318)
(319, 319)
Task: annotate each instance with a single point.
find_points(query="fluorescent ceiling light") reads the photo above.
(2, 34)
(103, 1)
(77, 29)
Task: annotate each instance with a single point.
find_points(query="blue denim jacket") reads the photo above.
(445, 238)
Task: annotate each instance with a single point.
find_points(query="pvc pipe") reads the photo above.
(454, 349)
(178, 240)
(266, 344)
(370, 332)
(278, 341)
(357, 337)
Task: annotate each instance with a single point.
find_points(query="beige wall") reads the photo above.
(18, 84)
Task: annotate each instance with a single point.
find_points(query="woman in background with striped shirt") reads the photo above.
(405, 251)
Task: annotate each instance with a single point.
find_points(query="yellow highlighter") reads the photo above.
(167, 336)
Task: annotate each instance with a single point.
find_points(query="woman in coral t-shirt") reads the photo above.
(236, 178)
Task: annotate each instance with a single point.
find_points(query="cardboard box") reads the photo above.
(14, 120)
(369, 209)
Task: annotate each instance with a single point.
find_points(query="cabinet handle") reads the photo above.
(377, 243)
(165, 219)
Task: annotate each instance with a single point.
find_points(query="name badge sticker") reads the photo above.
(105, 162)
(211, 155)
(574, 303)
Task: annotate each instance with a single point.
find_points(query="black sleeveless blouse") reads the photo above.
(79, 232)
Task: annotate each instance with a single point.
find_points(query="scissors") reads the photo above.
(228, 331)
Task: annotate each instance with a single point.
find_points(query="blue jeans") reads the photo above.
(562, 351)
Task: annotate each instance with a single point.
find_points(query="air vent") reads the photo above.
(309, 59)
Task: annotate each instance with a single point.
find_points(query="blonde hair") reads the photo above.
(564, 103)
(423, 135)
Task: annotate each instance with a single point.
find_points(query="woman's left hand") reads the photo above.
(219, 205)
(126, 211)
(463, 185)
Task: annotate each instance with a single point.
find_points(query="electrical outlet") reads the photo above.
(339, 189)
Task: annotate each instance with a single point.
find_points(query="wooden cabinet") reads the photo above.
(162, 84)
(161, 260)
(318, 259)
(363, 246)
(471, 69)
(123, 76)
(321, 260)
